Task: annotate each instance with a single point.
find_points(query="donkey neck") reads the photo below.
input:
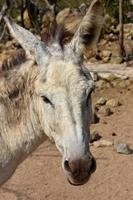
(20, 129)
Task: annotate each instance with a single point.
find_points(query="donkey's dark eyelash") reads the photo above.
(46, 100)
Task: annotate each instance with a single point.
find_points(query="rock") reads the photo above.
(112, 103)
(106, 55)
(128, 82)
(104, 111)
(109, 20)
(129, 35)
(112, 37)
(103, 42)
(122, 84)
(102, 101)
(103, 143)
(93, 60)
(116, 60)
(106, 59)
(112, 77)
(100, 84)
(127, 27)
(114, 30)
(94, 136)
(122, 148)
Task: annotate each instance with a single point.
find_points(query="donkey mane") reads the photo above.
(13, 81)
(56, 33)
(16, 90)
(17, 58)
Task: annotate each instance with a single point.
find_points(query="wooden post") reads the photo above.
(121, 31)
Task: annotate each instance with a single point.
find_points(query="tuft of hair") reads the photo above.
(48, 33)
(63, 36)
(55, 33)
(17, 58)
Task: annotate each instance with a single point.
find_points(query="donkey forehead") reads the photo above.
(66, 75)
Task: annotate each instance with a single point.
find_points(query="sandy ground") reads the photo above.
(40, 176)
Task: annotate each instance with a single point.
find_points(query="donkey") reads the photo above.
(50, 98)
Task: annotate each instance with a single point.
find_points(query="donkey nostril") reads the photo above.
(93, 165)
(66, 166)
(72, 168)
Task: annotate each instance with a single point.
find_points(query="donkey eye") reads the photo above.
(46, 100)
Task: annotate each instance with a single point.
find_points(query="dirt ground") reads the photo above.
(40, 176)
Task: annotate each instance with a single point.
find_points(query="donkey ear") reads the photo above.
(29, 42)
(90, 27)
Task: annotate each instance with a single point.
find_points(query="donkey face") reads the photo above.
(64, 99)
(63, 90)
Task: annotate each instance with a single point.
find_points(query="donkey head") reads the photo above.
(63, 92)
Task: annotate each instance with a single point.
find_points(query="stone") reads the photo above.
(104, 111)
(103, 42)
(106, 59)
(109, 22)
(103, 143)
(101, 101)
(122, 148)
(112, 77)
(94, 136)
(93, 60)
(112, 103)
(100, 84)
(122, 84)
(108, 19)
(112, 37)
(116, 60)
(128, 82)
(106, 53)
